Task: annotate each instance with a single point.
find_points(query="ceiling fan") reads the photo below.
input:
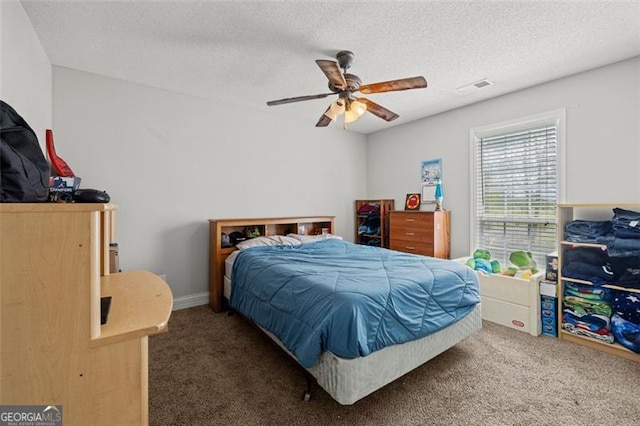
(344, 85)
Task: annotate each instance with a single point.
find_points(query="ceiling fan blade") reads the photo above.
(298, 99)
(394, 85)
(333, 73)
(324, 120)
(379, 110)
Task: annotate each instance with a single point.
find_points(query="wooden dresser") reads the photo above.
(420, 232)
(54, 269)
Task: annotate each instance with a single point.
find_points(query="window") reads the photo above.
(516, 186)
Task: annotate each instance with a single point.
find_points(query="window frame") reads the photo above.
(555, 117)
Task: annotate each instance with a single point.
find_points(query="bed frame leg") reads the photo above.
(310, 380)
(308, 376)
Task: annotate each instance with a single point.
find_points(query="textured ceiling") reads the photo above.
(246, 53)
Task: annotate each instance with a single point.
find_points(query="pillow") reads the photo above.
(272, 240)
(313, 238)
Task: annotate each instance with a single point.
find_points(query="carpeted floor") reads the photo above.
(214, 369)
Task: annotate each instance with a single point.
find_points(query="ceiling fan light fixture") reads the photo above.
(355, 111)
(359, 107)
(350, 116)
(335, 109)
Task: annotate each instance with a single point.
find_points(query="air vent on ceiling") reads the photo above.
(474, 86)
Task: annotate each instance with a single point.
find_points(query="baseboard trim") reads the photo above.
(190, 301)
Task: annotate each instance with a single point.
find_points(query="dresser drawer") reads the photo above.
(425, 249)
(412, 234)
(411, 219)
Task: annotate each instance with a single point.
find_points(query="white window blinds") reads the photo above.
(517, 192)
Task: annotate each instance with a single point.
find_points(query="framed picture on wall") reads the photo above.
(431, 171)
(412, 202)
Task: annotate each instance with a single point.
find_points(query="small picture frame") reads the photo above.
(428, 193)
(412, 202)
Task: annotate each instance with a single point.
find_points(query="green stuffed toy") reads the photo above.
(481, 261)
(522, 265)
(482, 254)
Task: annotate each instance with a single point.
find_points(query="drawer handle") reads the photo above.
(410, 248)
(409, 233)
(410, 220)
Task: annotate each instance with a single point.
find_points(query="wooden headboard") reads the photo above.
(309, 225)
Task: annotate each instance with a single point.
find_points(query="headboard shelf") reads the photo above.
(304, 225)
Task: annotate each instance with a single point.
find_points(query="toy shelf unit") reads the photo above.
(568, 213)
(372, 222)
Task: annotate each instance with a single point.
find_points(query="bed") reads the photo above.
(364, 365)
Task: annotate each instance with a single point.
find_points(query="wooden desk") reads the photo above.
(54, 267)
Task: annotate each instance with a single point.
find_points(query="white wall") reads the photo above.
(602, 151)
(25, 70)
(171, 162)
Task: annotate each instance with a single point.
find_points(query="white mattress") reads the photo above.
(348, 380)
(228, 267)
(228, 263)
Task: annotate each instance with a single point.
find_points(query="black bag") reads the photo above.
(24, 171)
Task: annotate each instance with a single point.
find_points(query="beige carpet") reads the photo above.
(214, 369)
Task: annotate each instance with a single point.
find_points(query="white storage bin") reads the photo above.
(512, 302)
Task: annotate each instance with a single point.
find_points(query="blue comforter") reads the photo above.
(346, 298)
